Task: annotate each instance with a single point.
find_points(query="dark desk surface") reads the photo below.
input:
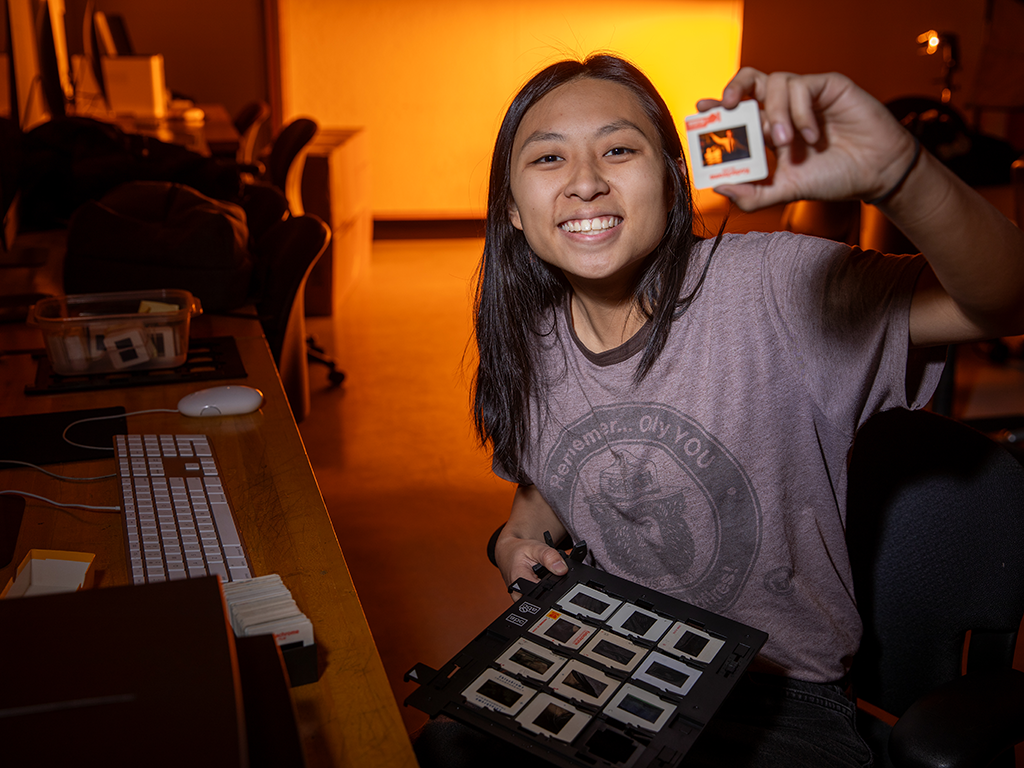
(215, 135)
(349, 717)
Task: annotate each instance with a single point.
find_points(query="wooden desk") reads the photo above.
(349, 717)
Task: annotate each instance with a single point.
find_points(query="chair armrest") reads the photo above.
(963, 724)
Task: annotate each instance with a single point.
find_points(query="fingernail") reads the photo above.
(780, 133)
(560, 568)
(809, 136)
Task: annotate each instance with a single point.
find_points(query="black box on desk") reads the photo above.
(301, 662)
(142, 675)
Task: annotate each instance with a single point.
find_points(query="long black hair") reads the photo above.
(515, 289)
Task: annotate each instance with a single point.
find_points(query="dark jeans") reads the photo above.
(767, 722)
(770, 721)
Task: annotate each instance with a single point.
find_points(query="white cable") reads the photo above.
(64, 434)
(101, 418)
(58, 504)
(54, 474)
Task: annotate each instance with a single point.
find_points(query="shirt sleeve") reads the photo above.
(843, 315)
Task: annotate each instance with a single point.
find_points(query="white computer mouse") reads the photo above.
(229, 400)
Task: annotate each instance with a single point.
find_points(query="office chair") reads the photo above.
(935, 529)
(276, 193)
(273, 184)
(286, 159)
(286, 254)
(284, 171)
(280, 166)
(249, 122)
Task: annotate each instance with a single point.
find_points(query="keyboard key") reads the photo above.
(226, 525)
(220, 570)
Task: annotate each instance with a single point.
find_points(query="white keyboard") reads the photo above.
(177, 520)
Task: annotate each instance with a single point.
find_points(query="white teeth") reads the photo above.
(592, 225)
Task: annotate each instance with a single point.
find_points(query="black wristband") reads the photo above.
(898, 184)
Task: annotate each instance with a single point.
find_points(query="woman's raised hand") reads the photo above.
(832, 140)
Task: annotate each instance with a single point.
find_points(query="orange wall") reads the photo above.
(430, 81)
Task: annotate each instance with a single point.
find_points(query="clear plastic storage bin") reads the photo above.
(107, 332)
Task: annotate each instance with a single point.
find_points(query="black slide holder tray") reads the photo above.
(210, 358)
(604, 742)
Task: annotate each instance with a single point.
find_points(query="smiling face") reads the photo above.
(589, 184)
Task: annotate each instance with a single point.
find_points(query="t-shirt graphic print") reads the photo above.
(657, 494)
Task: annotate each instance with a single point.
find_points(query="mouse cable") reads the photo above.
(59, 504)
(54, 474)
(69, 441)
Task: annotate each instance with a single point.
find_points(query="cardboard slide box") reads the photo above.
(49, 571)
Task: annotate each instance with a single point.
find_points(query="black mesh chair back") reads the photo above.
(284, 165)
(249, 122)
(935, 527)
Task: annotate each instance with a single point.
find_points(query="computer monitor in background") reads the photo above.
(103, 35)
(54, 64)
(59, 37)
(132, 84)
(28, 104)
(90, 91)
(100, 38)
(117, 30)
(6, 70)
(41, 68)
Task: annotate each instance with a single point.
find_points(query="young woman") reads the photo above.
(686, 406)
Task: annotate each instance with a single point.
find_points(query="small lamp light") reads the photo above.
(930, 40)
(949, 44)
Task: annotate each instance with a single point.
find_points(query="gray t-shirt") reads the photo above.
(721, 478)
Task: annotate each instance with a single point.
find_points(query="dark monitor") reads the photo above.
(54, 64)
(95, 37)
(28, 107)
(104, 34)
(119, 34)
(110, 35)
(39, 63)
(6, 105)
